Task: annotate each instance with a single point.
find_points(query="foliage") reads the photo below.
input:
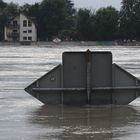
(106, 23)
(59, 18)
(130, 19)
(102, 25)
(6, 11)
(56, 16)
(84, 24)
(2, 18)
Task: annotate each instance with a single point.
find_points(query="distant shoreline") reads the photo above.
(73, 43)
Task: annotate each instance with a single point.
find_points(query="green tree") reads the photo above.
(2, 4)
(11, 9)
(25, 8)
(8, 11)
(130, 19)
(137, 19)
(54, 17)
(84, 24)
(106, 23)
(69, 31)
(2, 19)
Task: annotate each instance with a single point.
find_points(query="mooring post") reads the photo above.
(88, 86)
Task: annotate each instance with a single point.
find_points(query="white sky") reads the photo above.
(90, 4)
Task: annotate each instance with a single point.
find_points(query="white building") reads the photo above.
(20, 28)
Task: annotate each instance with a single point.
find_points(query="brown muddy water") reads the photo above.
(24, 118)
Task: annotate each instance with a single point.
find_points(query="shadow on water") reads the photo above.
(85, 123)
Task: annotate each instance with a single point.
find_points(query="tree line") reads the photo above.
(59, 18)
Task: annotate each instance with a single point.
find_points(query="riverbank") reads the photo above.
(73, 43)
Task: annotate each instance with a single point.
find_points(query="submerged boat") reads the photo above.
(86, 78)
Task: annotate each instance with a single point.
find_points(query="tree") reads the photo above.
(130, 19)
(84, 24)
(69, 31)
(137, 23)
(2, 19)
(25, 8)
(11, 9)
(106, 23)
(55, 15)
(2, 4)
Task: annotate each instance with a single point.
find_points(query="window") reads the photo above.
(29, 23)
(14, 22)
(14, 31)
(29, 31)
(24, 31)
(24, 38)
(24, 23)
(30, 38)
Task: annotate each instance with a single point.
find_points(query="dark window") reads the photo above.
(29, 31)
(24, 31)
(9, 22)
(30, 38)
(14, 22)
(24, 23)
(14, 31)
(29, 23)
(24, 38)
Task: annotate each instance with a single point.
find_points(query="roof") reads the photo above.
(32, 19)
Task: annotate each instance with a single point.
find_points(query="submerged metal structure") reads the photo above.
(86, 78)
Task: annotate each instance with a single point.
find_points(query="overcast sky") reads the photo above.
(91, 4)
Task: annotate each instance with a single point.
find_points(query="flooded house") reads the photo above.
(20, 28)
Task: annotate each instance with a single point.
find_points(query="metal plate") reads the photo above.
(121, 78)
(50, 80)
(75, 75)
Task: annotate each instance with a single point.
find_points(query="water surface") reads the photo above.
(24, 118)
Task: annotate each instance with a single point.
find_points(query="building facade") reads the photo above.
(20, 28)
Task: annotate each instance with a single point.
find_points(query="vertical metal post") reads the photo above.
(113, 97)
(136, 89)
(88, 86)
(61, 84)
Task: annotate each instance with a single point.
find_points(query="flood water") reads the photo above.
(22, 117)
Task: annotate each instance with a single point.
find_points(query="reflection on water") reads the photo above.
(86, 123)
